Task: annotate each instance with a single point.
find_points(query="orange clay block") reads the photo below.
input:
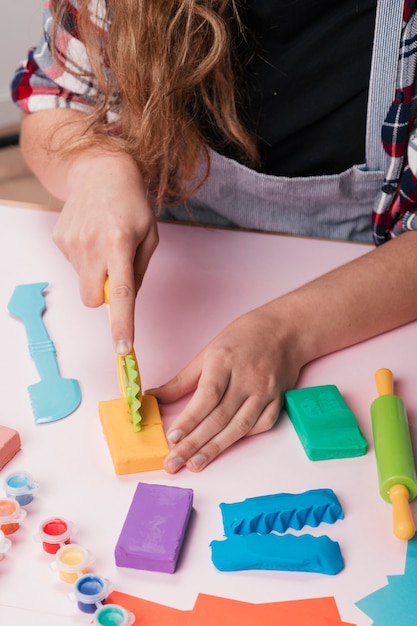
(131, 451)
(9, 444)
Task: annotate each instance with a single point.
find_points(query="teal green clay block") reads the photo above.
(324, 423)
(277, 552)
(278, 512)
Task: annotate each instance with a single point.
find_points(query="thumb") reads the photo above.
(180, 385)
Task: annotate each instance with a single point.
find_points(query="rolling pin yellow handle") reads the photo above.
(404, 527)
(384, 382)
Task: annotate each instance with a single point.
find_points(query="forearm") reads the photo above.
(43, 134)
(107, 226)
(364, 298)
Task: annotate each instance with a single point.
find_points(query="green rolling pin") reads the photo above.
(394, 454)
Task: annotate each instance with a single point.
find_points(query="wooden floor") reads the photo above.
(18, 184)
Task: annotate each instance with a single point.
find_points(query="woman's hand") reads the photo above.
(107, 227)
(241, 376)
(239, 381)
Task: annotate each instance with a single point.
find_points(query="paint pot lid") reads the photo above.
(91, 588)
(71, 550)
(5, 543)
(113, 614)
(10, 511)
(55, 530)
(19, 483)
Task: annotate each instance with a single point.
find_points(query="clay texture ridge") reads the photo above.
(154, 529)
(279, 512)
(274, 552)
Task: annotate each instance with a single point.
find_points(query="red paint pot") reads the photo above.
(54, 533)
(10, 515)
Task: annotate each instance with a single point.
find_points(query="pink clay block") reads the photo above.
(154, 529)
(9, 444)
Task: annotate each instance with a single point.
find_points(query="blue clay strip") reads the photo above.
(281, 511)
(277, 552)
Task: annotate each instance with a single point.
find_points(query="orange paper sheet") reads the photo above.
(209, 610)
(149, 613)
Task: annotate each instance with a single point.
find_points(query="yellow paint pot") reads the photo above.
(71, 562)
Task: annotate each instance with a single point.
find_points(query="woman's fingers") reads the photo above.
(125, 277)
(239, 380)
(219, 430)
(222, 410)
(107, 227)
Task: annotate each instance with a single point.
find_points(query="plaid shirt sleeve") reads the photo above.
(396, 207)
(40, 83)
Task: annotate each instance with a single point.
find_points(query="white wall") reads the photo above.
(20, 29)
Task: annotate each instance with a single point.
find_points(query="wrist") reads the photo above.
(293, 330)
(91, 165)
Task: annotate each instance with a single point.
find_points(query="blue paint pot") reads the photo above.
(90, 592)
(20, 486)
(113, 615)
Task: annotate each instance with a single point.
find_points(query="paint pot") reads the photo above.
(10, 515)
(90, 592)
(113, 615)
(71, 562)
(5, 544)
(54, 533)
(20, 485)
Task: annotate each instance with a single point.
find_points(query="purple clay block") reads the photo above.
(154, 529)
(278, 512)
(290, 553)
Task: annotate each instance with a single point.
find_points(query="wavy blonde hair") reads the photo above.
(167, 67)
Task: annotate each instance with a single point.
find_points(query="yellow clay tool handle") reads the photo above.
(120, 361)
(384, 381)
(106, 291)
(403, 523)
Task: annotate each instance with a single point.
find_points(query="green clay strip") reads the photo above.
(132, 392)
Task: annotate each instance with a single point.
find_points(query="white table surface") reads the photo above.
(198, 280)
